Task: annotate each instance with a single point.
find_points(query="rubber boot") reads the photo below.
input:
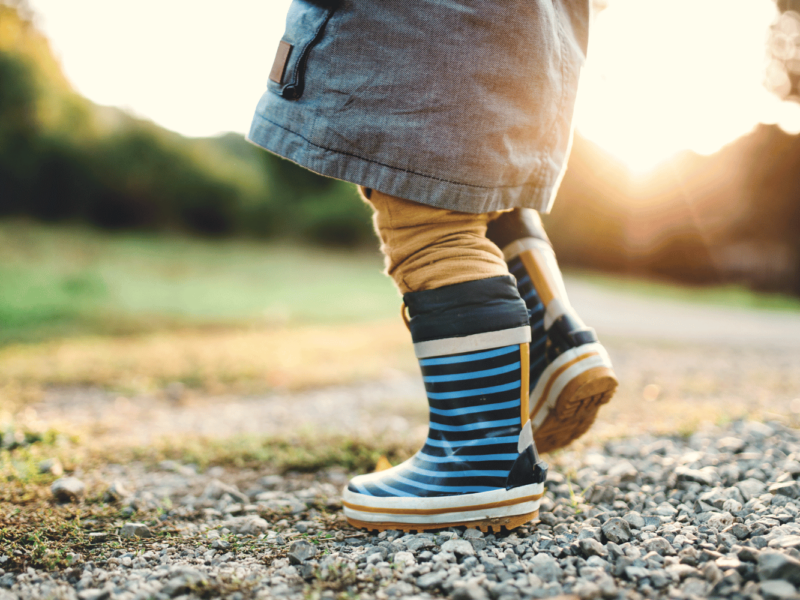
(571, 374)
(479, 466)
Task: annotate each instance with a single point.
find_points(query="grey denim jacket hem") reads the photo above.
(460, 104)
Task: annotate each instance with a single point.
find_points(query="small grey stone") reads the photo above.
(460, 548)
(216, 490)
(636, 573)
(634, 519)
(132, 530)
(591, 547)
(695, 587)
(545, 567)
(470, 534)
(706, 476)
(183, 580)
(659, 578)
(624, 471)
(790, 489)
(116, 492)
(775, 565)
(588, 532)
(470, 591)
(728, 562)
(785, 541)
(176, 467)
(689, 556)
(301, 526)
(432, 579)
(418, 542)
(682, 571)
(740, 530)
(751, 488)
(617, 530)
(660, 545)
(586, 590)
(247, 525)
(220, 544)
(301, 551)
(652, 522)
(94, 594)
(720, 521)
(711, 572)
(52, 466)
(404, 558)
(730, 444)
(665, 509)
(68, 489)
(270, 482)
(308, 570)
(778, 589)
(748, 554)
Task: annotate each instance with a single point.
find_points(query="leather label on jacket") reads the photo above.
(279, 66)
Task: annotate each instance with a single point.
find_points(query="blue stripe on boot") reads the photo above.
(472, 442)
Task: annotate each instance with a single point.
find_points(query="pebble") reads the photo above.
(617, 530)
(299, 552)
(116, 492)
(776, 565)
(68, 489)
(52, 466)
(714, 515)
(460, 548)
(135, 530)
(778, 590)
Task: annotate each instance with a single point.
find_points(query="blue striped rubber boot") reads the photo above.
(571, 375)
(479, 466)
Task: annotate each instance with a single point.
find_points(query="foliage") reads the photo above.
(63, 158)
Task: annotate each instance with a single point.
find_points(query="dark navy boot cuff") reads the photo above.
(466, 309)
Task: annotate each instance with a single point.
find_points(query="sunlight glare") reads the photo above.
(663, 77)
(198, 68)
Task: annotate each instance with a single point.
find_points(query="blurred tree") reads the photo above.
(783, 71)
(62, 157)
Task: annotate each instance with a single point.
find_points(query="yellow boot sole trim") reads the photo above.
(495, 524)
(552, 379)
(569, 396)
(576, 409)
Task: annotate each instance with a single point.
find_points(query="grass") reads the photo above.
(61, 281)
(36, 532)
(66, 281)
(135, 313)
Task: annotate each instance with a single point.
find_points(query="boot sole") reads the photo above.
(495, 510)
(569, 395)
(495, 525)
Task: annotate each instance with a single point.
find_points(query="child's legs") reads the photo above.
(428, 248)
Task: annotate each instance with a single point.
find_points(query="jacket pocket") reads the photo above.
(305, 25)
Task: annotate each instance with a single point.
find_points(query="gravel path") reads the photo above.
(713, 515)
(649, 318)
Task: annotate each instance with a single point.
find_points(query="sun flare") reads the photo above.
(662, 77)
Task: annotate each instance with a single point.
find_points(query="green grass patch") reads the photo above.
(59, 281)
(302, 453)
(62, 281)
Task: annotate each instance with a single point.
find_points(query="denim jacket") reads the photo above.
(460, 104)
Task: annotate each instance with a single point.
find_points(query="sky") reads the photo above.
(662, 75)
